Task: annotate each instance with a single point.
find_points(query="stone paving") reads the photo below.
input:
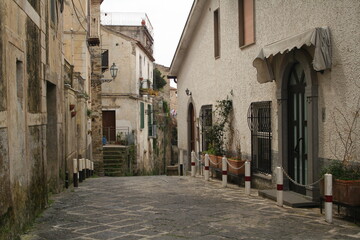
(161, 207)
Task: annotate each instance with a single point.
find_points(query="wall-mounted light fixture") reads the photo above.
(188, 92)
(113, 72)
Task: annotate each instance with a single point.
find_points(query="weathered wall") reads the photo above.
(31, 56)
(122, 94)
(96, 105)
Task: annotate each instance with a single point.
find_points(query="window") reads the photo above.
(104, 60)
(140, 66)
(206, 123)
(142, 120)
(150, 121)
(259, 120)
(53, 9)
(217, 33)
(246, 22)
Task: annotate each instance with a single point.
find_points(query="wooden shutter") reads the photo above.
(142, 120)
(246, 22)
(150, 120)
(217, 33)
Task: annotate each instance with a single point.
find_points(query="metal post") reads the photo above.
(224, 172)
(193, 166)
(247, 178)
(181, 162)
(328, 198)
(206, 168)
(279, 186)
(75, 173)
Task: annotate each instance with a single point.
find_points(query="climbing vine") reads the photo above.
(216, 134)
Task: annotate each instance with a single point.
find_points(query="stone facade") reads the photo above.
(43, 125)
(31, 110)
(96, 105)
(77, 86)
(215, 78)
(123, 96)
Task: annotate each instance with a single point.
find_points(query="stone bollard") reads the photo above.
(247, 178)
(206, 167)
(87, 168)
(279, 186)
(75, 173)
(80, 170)
(224, 172)
(92, 168)
(181, 162)
(193, 165)
(84, 168)
(328, 198)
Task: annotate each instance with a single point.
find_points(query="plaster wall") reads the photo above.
(122, 94)
(27, 35)
(211, 79)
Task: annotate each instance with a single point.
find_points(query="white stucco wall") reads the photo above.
(211, 79)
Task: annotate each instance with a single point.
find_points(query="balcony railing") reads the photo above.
(127, 19)
(119, 135)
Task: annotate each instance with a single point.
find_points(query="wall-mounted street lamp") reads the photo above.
(113, 72)
(188, 92)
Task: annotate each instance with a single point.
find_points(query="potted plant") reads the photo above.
(216, 134)
(236, 161)
(345, 169)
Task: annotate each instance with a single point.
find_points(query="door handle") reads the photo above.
(296, 150)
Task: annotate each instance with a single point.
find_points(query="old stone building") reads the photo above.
(77, 73)
(127, 104)
(44, 102)
(288, 67)
(31, 110)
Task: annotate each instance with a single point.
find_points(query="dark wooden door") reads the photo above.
(109, 127)
(297, 136)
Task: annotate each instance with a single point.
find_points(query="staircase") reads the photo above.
(117, 161)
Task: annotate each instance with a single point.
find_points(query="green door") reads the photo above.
(298, 142)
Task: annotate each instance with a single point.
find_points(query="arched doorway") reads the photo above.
(191, 132)
(297, 94)
(297, 134)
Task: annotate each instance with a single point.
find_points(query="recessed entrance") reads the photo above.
(297, 134)
(191, 132)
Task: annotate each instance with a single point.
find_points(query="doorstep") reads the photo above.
(291, 199)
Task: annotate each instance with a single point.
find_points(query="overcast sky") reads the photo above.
(168, 18)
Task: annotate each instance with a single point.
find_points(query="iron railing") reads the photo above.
(259, 120)
(119, 135)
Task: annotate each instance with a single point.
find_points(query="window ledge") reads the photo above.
(247, 45)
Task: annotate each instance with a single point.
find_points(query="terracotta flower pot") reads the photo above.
(236, 163)
(344, 191)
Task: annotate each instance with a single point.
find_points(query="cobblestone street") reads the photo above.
(161, 207)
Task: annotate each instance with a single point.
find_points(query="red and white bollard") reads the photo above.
(247, 178)
(75, 173)
(181, 162)
(224, 172)
(193, 165)
(80, 170)
(206, 167)
(328, 198)
(279, 187)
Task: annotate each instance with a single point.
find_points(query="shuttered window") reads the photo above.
(217, 33)
(150, 121)
(142, 120)
(246, 22)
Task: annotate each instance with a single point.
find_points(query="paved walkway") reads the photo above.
(161, 207)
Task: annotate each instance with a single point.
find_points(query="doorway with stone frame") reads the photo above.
(297, 95)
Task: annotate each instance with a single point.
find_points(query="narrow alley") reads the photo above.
(161, 207)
